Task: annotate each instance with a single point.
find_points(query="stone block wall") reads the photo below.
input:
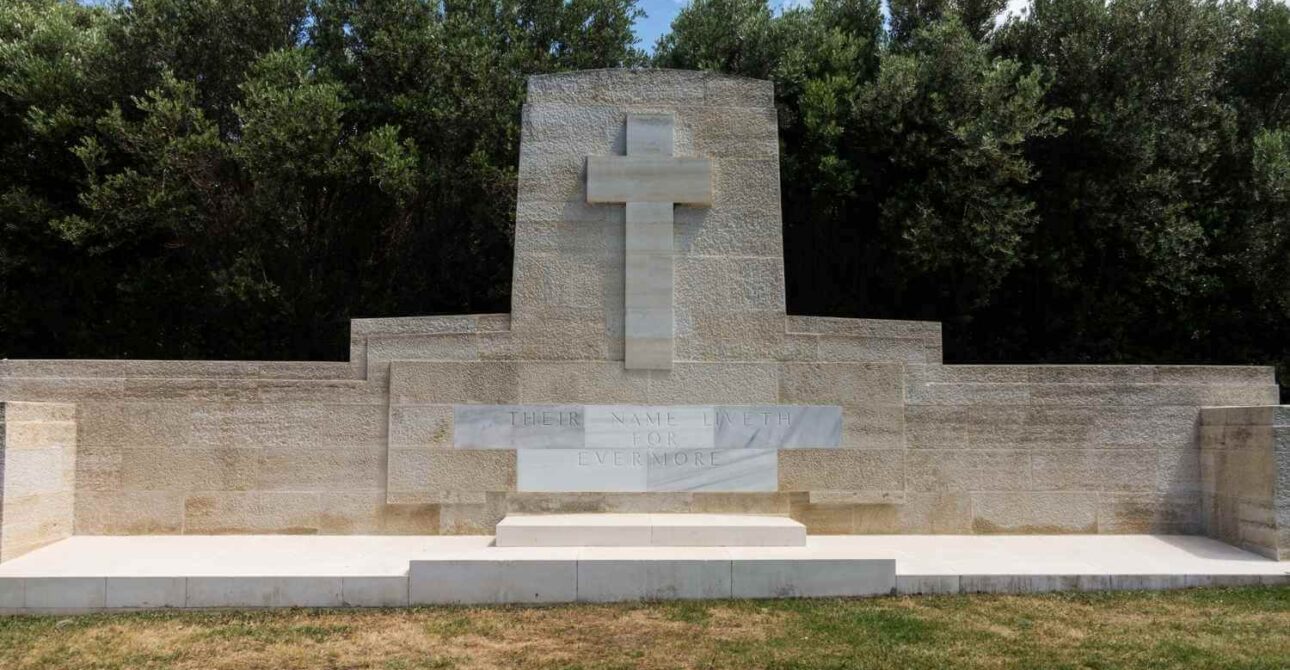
(1245, 477)
(366, 446)
(1062, 449)
(211, 447)
(37, 475)
(927, 448)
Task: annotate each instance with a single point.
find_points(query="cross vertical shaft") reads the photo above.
(649, 181)
(649, 320)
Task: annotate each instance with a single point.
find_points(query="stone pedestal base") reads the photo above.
(646, 530)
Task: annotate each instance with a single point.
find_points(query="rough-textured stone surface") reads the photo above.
(1148, 513)
(1094, 470)
(841, 470)
(1037, 512)
(937, 513)
(413, 383)
(421, 427)
(468, 470)
(846, 384)
(237, 512)
(127, 512)
(969, 471)
(367, 512)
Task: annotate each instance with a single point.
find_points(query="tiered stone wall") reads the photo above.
(1245, 477)
(366, 446)
(37, 475)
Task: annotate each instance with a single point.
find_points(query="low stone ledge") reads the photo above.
(127, 369)
(1086, 394)
(1118, 375)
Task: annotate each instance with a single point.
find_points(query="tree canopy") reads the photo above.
(1092, 181)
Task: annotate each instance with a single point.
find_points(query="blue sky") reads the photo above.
(661, 12)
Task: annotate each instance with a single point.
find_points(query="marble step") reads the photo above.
(649, 530)
(508, 575)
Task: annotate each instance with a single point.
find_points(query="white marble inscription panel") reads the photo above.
(638, 427)
(713, 470)
(635, 448)
(517, 426)
(776, 426)
(646, 426)
(641, 470)
(573, 470)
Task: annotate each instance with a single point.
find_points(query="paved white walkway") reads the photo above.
(353, 555)
(235, 555)
(93, 573)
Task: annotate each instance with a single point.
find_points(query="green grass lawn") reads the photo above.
(1205, 628)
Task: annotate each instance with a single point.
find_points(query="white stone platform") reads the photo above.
(94, 573)
(649, 530)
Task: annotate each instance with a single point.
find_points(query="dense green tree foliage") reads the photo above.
(237, 178)
(1096, 180)
(1091, 182)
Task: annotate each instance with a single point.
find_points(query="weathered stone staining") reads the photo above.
(649, 181)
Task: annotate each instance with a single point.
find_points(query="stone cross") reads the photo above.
(649, 181)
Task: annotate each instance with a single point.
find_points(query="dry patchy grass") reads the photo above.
(1213, 628)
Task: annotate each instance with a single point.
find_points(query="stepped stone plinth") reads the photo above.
(649, 530)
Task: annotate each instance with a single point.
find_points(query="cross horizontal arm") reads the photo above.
(686, 181)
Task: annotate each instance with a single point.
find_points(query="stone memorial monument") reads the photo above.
(648, 365)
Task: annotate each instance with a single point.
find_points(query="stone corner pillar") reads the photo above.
(37, 475)
(1245, 477)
